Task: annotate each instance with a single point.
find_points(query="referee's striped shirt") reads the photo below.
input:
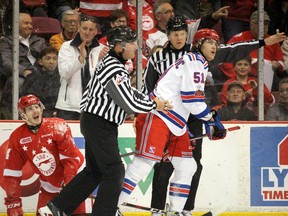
(159, 62)
(109, 93)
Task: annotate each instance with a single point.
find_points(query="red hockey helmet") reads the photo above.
(28, 100)
(203, 34)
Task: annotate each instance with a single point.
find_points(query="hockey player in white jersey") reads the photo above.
(161, 134)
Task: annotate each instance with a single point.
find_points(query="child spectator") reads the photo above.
(44, 82)
(273, 57)
(242, 68)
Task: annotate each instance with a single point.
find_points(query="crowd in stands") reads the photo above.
(56, 68)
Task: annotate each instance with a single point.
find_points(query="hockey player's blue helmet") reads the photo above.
(121, 34)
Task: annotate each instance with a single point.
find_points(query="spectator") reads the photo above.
(279, 111)
(242, 69)
(69, 23)
(30, 47)
(6, 16)
(76, 61)
(44, 82)
(118, 17)
(273, 57)
(238, 19)
(163, 11)
(148, 21)
(101, 9)
(235, 108)
(195, 9)
(56, 8)
(48, 148)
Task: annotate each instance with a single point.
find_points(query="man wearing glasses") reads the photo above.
(69, 23)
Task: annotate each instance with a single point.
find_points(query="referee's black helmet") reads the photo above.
(177, 23)
(121, 34)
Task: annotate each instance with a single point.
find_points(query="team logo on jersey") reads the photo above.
(152, 150)
(199, 93)
(25, 140)
(120, 79)
(45, 162)
(147, 23)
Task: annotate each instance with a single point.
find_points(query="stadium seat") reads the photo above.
(46, 26)
(34, 3)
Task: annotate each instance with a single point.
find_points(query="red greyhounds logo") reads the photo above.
(30, 182)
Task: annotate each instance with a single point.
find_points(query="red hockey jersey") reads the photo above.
(51, 153)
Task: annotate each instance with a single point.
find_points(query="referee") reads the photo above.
(105, 103)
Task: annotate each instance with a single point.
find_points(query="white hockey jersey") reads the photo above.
(183, 85)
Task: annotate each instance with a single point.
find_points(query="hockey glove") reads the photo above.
(214, 128)
(14, 206)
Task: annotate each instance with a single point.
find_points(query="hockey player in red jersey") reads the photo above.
(47, 145)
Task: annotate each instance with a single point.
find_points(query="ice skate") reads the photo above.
(45, 211)
(156, 214)
(119, 213)
(54, 210)
(186, 213)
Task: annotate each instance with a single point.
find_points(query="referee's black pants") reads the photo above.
(104, 168)
(164, 170)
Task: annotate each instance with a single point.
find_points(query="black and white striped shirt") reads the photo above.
(159, 62)
(109, 93)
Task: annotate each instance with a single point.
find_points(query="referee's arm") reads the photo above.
(128, 98)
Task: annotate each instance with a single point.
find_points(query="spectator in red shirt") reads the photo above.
(273, 57)
(242, 68)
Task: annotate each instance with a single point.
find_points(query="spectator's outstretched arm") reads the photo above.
(276, 38)
(220, 13)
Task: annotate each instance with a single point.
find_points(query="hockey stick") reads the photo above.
(220, 131)
(154, 210)
(127, 154)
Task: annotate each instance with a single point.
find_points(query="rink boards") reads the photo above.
(244, 174)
